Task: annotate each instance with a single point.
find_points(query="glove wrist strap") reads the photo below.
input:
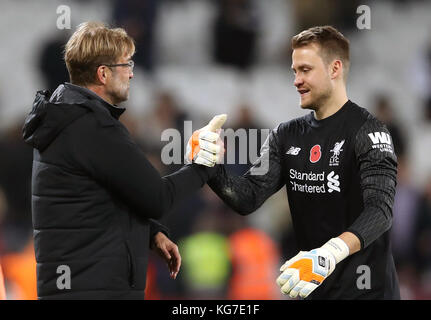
(338, 248)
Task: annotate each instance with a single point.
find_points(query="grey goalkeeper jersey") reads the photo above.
(340, 175)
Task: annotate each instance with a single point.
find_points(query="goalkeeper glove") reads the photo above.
(204, 146)
(308, 269)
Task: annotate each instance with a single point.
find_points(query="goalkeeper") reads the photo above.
(339, 168)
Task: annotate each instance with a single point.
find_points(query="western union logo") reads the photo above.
(381, 141)
(380, 137)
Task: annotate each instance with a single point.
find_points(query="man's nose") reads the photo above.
(131, 75)
(298, 81)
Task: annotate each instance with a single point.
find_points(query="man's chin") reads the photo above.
(121, 99)
(124, 97)
(306, 105)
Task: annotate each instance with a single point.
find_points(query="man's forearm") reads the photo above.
(236, 191)
(247, 193)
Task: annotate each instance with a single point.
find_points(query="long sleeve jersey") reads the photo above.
(340, 175)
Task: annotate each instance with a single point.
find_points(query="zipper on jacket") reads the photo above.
(131, 266)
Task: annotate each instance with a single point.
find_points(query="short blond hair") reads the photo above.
(333, 44)
(94, 44)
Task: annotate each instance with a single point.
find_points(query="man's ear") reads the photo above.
(336, 69)
(102, 74)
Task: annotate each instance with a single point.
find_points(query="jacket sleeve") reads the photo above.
(156, 227)
(377, 166)
(247, 193)
(112, 158)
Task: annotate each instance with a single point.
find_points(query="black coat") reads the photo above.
(94, 195)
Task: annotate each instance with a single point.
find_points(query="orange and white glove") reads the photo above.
(308, 269)
(204, 146)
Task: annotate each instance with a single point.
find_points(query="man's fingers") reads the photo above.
(284, 277)
(307, 289)
(217, 122)
(208, 136)
(208, 156)
(204, 162)
(165, 253)
(290, 277)
(206, 139)
(209, 146)
(288, 263)
(176, 261)
(295, 291)
(284, 266)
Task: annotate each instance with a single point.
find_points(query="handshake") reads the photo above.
(205, 146)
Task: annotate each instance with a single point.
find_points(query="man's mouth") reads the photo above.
(303, 92)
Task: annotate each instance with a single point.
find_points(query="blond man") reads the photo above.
(339, 169)
(94, 193)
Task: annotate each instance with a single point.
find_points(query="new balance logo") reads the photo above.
(333, 182)
(380, 137)
(294, 151)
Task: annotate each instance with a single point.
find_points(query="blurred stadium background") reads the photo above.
(198, 58)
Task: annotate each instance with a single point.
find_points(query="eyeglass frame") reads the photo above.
(130, 64)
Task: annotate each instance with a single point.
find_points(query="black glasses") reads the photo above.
(130, 64)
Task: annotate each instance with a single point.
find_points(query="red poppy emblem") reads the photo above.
(315, 153)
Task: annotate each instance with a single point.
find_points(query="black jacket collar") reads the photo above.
(52, 113)
(115, 111)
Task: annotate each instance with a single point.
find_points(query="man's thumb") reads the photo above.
(217, 122)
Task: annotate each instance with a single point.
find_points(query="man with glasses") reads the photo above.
(117, 89)
(94, 193)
